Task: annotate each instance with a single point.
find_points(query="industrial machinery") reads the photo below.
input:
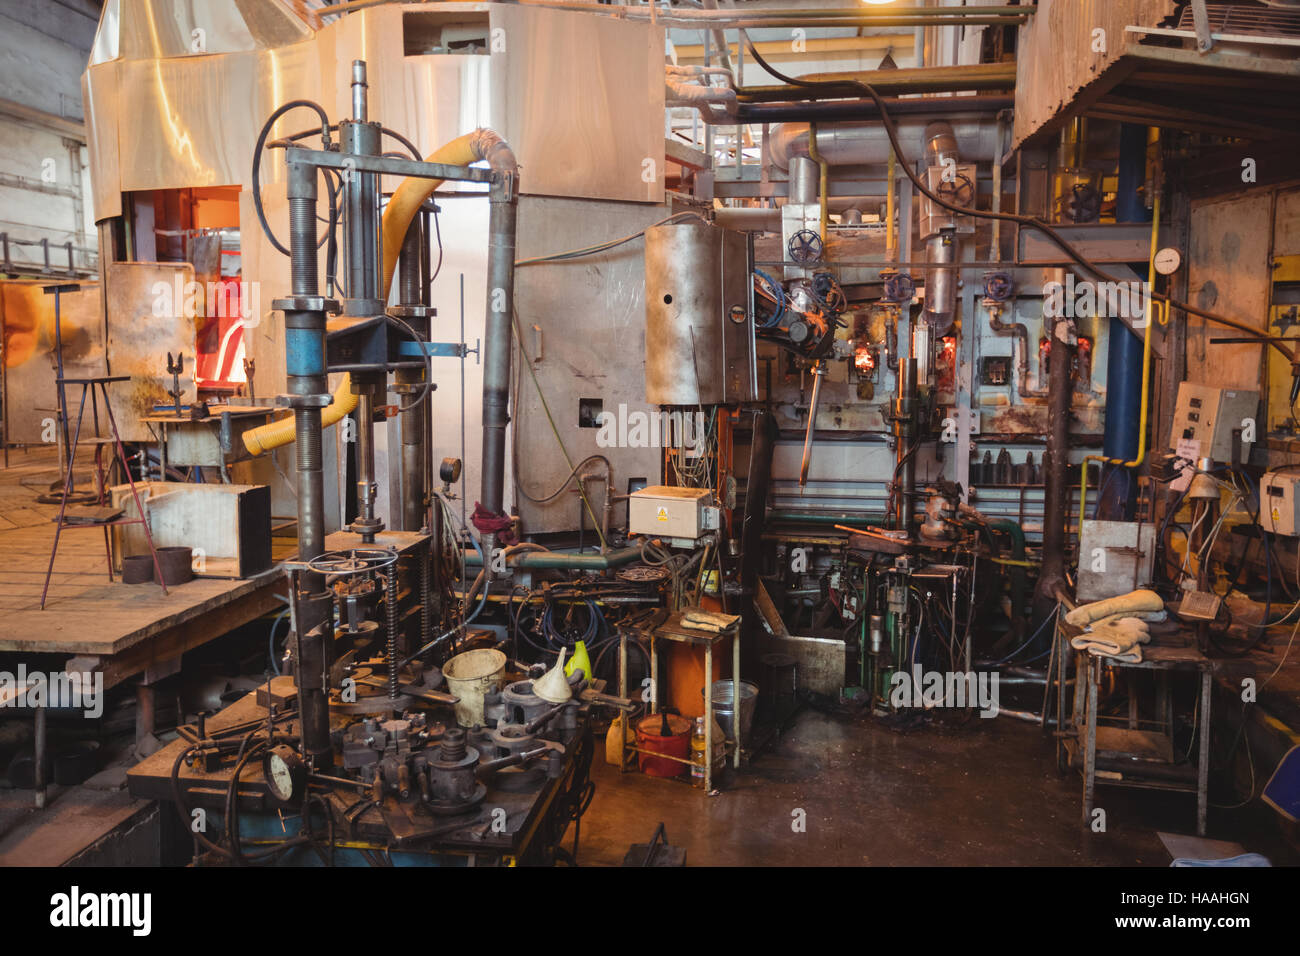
(358, 736)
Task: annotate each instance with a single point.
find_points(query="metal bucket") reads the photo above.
(471, 676)
(724, 708)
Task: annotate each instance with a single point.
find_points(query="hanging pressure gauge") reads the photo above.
(285, 773)
(1168, 260)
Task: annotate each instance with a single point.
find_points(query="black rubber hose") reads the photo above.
(257, 163)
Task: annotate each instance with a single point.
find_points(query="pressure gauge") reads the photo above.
(285, 773)
(1168, 261)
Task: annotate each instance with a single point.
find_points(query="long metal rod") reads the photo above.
(386, 165)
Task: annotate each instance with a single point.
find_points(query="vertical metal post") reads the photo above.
(304, 330)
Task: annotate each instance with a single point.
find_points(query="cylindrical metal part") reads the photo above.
(410, 381)
(313, 619)
(366, 524)
(359, 85)
(497, 346)
(1056, 463)
(804, 177)
(362, 220)
(876, 631)
(941, 283)
(867, 144)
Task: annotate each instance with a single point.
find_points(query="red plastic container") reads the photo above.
(648, 737)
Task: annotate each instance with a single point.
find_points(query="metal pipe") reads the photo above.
(847, 111)
(304, 324)
(497, 329)
(1021, 334)
(862, 144)
(537, 560)
(941, 79)
(410, 382)
(819, 373)
(367, 524)
(362, 225)
(1056, 463)
(904, 437)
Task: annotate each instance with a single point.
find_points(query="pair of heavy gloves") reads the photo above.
(1117, 627)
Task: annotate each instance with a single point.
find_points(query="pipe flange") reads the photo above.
(414, 311)
(303, 401)
(306, 303)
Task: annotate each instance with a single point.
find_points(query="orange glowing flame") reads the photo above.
(864, 359)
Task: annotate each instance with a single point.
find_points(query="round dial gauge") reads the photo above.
(1168, 260)
(285, 773)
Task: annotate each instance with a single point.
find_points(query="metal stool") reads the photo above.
(88, 385)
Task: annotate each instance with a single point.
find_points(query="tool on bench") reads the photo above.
(175, 368)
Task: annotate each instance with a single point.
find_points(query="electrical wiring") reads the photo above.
(1033, 637)
(607, 245)
(541, 396)
(1026, 221)
(774, 289)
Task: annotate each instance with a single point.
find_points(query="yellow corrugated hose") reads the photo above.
(401, 210)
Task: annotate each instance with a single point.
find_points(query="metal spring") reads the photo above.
(426, 592)
(390, 609)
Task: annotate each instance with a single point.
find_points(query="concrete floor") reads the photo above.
(986, 794)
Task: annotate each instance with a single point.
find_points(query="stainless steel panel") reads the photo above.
(153, 29)
(146, 320)
(582, 322)
(580, 98)
(696, 275)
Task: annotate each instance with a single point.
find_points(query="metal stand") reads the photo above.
(88, 385)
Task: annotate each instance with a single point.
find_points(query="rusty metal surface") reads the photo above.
(27, 315)
(145, 322)
(1229, 272)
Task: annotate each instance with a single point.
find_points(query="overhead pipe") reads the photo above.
(849, 111)
(909, 82)
(868, 145)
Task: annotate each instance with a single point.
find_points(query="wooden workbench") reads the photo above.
(124, 629)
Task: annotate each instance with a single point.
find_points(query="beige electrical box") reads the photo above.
(1279, 503)
(663, 511)
(1204, 419)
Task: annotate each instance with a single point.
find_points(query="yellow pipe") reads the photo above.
(1154, 310)
(401, 210)
(824, 180)
(891, 242)
(412, 193)
(273, 435)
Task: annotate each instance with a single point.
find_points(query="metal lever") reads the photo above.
(819, 372)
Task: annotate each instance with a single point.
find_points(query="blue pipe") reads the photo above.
(1124, 349)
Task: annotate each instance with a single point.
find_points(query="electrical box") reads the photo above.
(681, 514)
(1204, 419)
(1279, 503)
